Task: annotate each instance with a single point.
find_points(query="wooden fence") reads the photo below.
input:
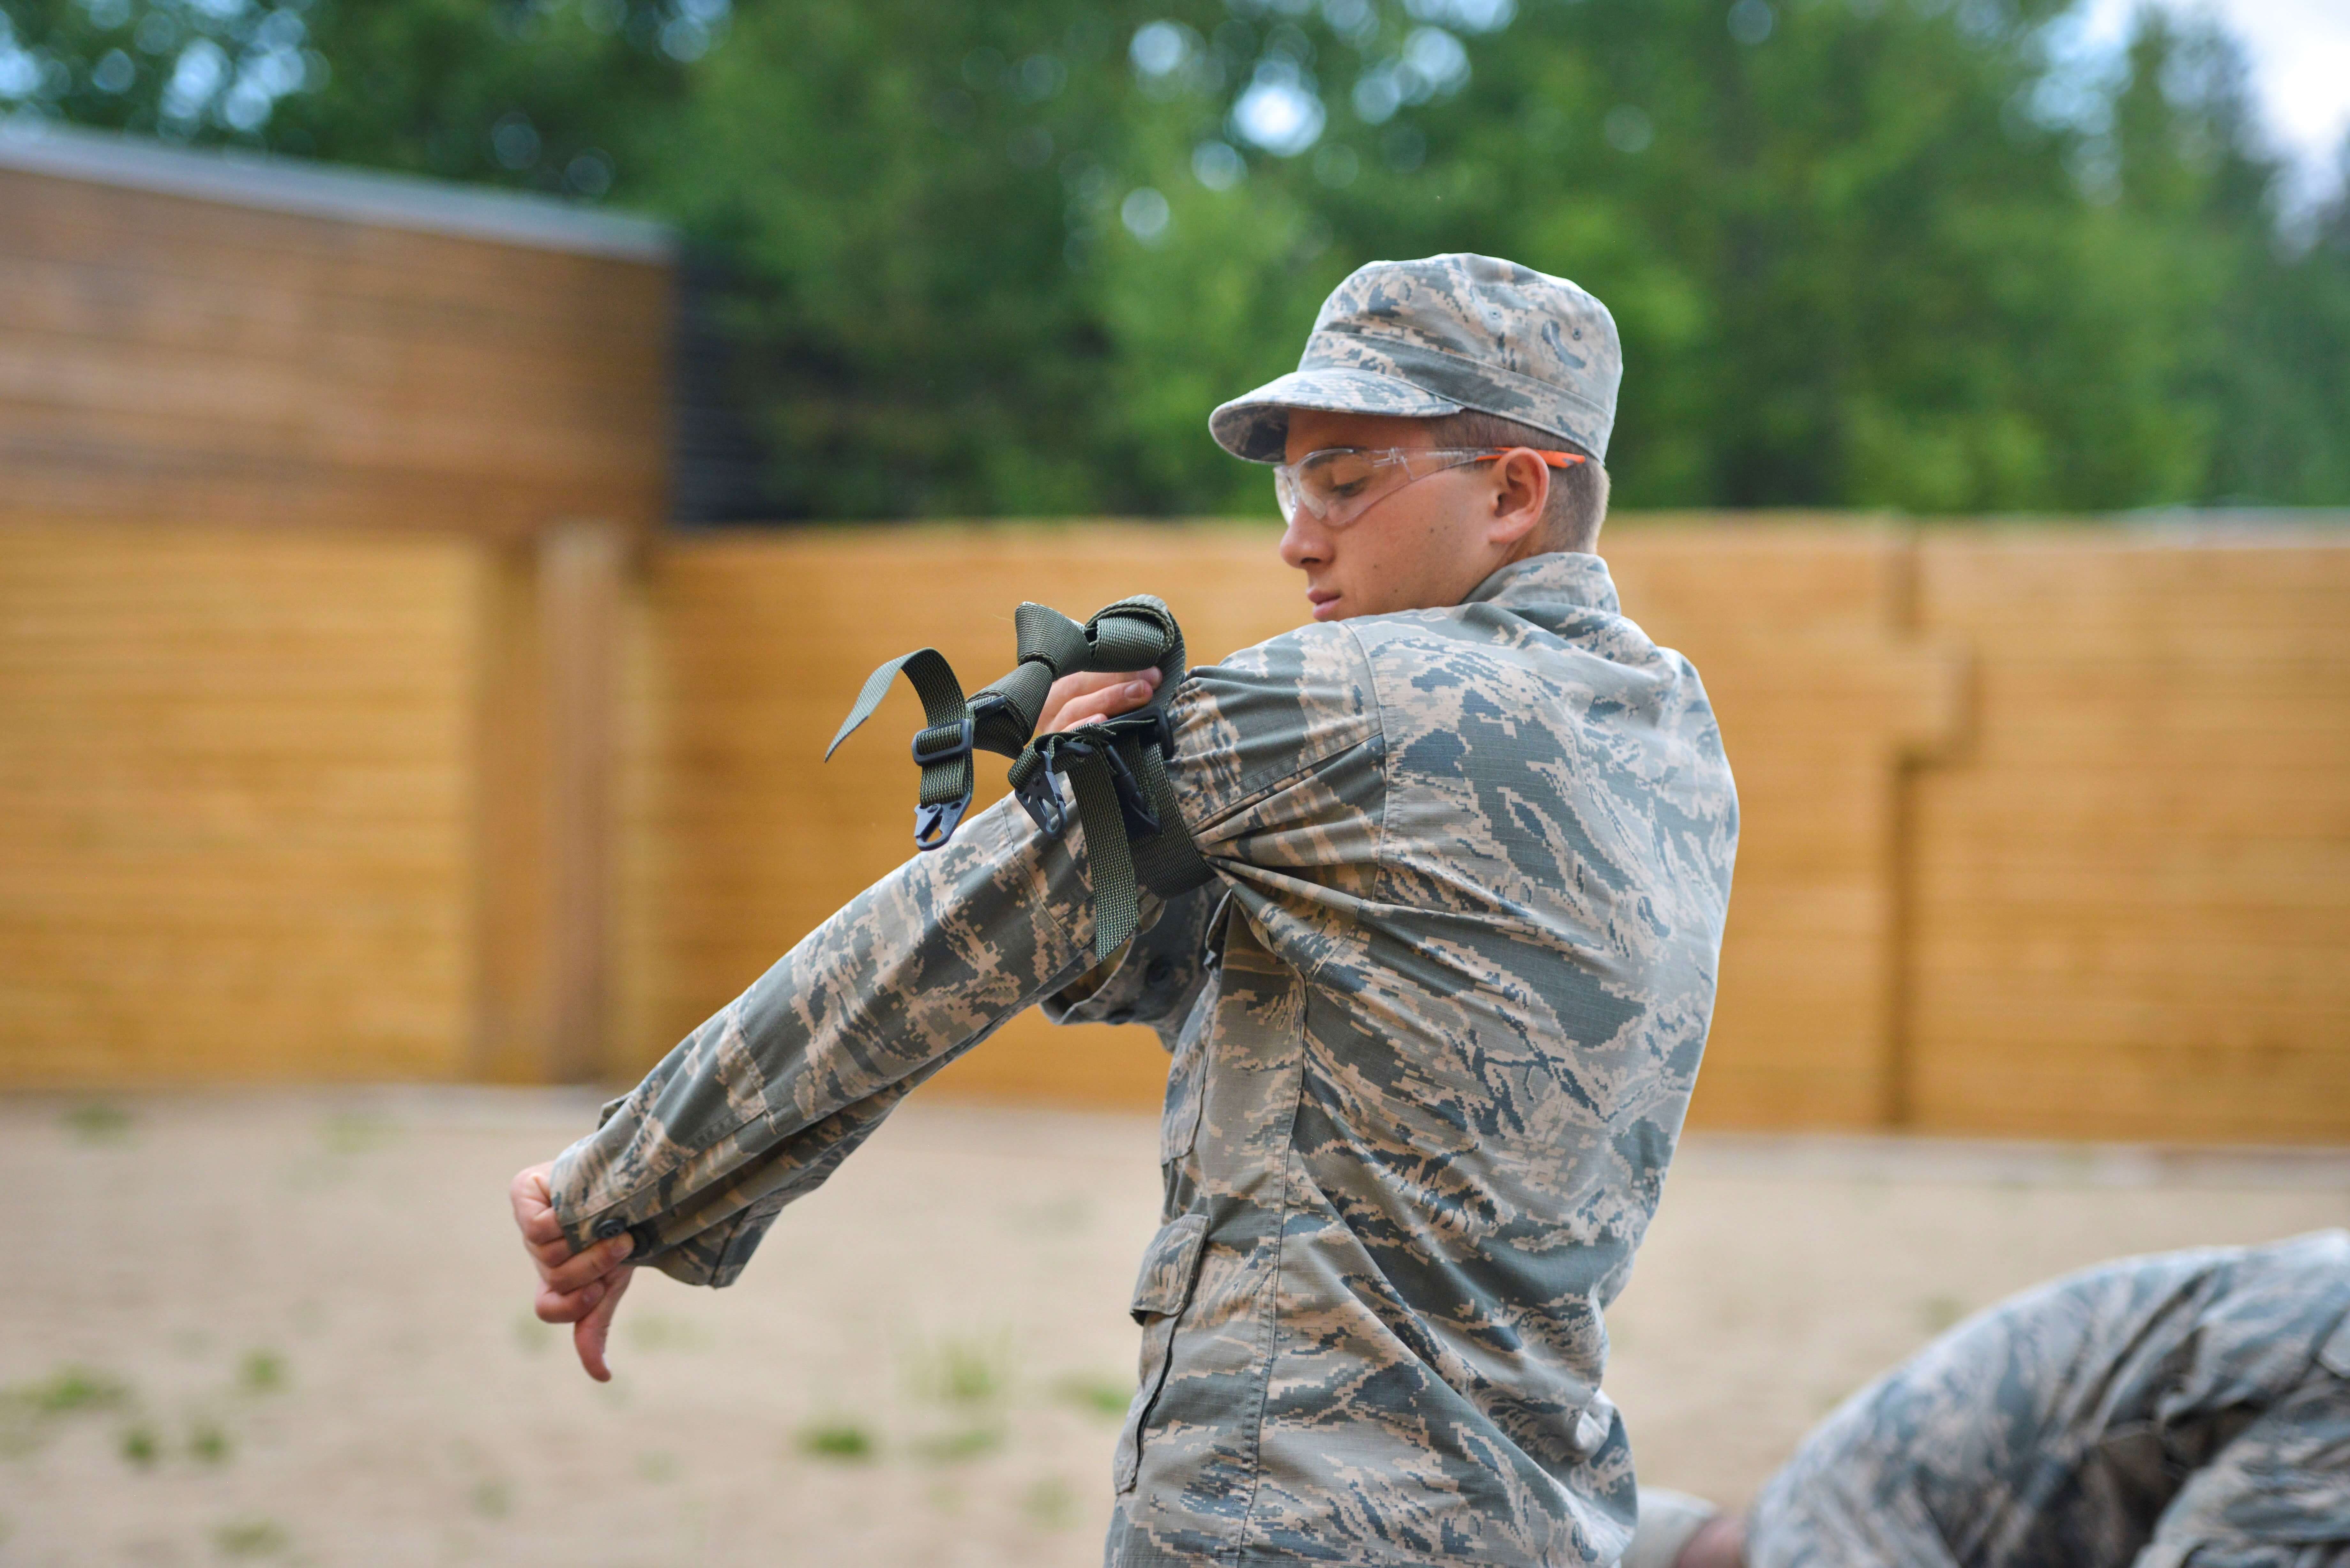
(2045, 831)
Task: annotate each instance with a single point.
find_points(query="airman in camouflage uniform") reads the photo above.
(2192, 1407)
(1434, 1024)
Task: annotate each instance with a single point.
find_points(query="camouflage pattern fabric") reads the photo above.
(2192, 1408)
(1428, 337)
(1435, 1026)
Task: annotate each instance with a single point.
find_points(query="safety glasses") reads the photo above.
(1339, 484)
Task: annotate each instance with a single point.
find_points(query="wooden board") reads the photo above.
(235, 806)
(170, 359)
(2133, 911)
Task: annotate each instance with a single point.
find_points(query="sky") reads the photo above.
(2299, 51)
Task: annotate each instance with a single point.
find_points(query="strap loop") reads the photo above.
(1117, 768)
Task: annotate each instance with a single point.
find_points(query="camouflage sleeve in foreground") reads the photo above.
(2185, 1406)
(760, 1105)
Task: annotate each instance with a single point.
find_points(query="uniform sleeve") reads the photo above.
(761, 1103)
(1280, 765)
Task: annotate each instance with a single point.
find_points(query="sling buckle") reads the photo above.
(1040, 797)
(952, 741)
(934, 824)
(1141, 822)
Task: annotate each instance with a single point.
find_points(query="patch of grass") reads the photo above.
(491, 1498)
(69, 1390)
(839, 1441)
(1937, 1313)
(94, 1121)
(357, 1133)
(261, 1372)
(208, 1444)
(960, 1447)
(965, 1372)
(1050, 1504)
(141, 1447)
(1104, 1398)
(250, 1538)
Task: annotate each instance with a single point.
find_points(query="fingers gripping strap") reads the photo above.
(1139, 633)
(1117, 768)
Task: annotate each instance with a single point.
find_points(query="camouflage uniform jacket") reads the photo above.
(1435, 1026)
(2189, 1407)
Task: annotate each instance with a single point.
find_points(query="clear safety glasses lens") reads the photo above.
(1338, 485)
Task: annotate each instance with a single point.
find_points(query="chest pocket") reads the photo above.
(1162, 1290)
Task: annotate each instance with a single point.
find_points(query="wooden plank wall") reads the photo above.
(2132, 885)
(235, 804)
(2044, 834)
(174, 359)
(268, 344)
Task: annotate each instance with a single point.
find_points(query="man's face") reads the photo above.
(1421, 546)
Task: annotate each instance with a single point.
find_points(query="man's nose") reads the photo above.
(1304, 542)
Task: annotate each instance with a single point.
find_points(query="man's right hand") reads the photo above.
(1091, 697)
(582, 1289)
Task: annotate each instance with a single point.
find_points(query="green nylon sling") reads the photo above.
(1116, 769)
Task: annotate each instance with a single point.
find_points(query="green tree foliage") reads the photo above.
(1907, 253)
(548, 98)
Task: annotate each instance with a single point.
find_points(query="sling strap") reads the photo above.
(1117, 768)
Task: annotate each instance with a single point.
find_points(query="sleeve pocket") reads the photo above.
(1162, 1290)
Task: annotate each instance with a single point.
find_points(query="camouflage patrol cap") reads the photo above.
(1423, 338)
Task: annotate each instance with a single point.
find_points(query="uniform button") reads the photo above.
(1156, 971)
(607, 1228)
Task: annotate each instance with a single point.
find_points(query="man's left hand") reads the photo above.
(1092, 696)
(582, 1289)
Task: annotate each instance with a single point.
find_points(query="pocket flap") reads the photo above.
(1163, 1288)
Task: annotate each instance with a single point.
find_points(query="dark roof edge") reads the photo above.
(285, 184)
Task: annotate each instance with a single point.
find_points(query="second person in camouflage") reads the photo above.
(2183, 1408)
(1435, 1023)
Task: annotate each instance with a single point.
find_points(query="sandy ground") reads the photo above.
(293, 1328)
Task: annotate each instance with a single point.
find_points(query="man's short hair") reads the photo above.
(1579, 492)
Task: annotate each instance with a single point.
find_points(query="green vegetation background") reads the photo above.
(1003, 258)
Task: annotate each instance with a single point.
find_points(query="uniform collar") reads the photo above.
(1560, 580)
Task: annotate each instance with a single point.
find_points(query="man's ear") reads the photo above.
(1521, 491)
